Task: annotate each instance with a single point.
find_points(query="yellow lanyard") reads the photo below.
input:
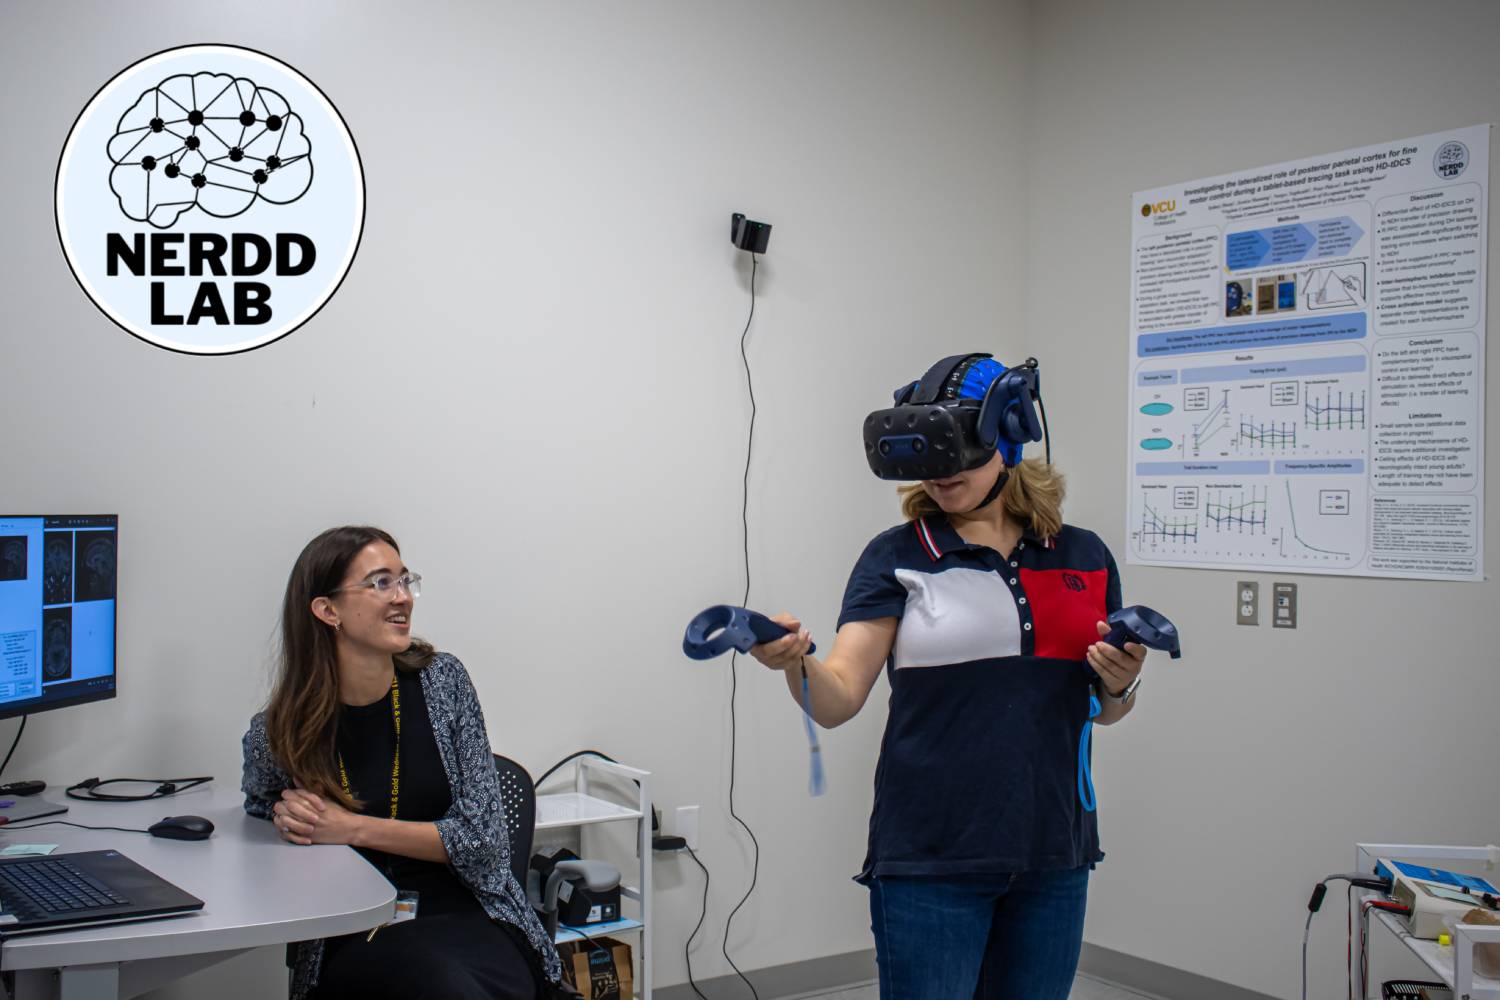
(395, 763)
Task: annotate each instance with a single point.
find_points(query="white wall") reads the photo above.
(549, 191)
(552, 181)
(1251, 766)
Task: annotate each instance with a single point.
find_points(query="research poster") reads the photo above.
(1307, 364)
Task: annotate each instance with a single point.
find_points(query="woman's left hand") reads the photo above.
(1117, 668)
(305, 818)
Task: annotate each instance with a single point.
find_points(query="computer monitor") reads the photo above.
(58, 578)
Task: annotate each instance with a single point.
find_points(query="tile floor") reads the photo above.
(1084, 988)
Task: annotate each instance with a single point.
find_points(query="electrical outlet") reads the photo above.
(1247, 602)
(687, 825)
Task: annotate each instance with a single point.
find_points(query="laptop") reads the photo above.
(64, 891)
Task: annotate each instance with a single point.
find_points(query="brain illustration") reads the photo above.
(211, 141)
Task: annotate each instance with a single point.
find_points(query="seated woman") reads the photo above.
(374, 740)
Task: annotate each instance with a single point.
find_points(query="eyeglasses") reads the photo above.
(385, 585)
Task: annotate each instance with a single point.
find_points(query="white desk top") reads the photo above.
(256, 889)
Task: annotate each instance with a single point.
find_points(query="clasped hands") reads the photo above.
(304, 818)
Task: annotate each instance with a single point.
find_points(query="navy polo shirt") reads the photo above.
(978, 770)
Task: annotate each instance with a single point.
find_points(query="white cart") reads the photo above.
(586, 807)
(1453, 965)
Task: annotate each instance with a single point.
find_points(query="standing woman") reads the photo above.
(374, 740)
(983, 607)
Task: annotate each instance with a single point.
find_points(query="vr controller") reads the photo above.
(1140, 624)
(932, 434)
(715, 631)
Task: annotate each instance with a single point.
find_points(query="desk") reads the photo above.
(256, 891)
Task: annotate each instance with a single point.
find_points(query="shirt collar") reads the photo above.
(937, 536)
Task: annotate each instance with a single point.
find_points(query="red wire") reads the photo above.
(1364, 949)
(1364, 936)
(1349, 940)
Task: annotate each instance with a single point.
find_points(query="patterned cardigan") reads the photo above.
(473, 831)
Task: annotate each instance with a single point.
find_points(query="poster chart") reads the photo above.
(1307, 364)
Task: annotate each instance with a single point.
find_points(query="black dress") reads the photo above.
(452, 950)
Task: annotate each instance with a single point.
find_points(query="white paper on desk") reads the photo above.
(19, 850)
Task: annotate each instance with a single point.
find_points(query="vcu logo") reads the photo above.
(1157, 208)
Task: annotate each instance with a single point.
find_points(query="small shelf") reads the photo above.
(1439, 960)
(596, 931)
(557, 810)
(582, 810)
(1454, 964)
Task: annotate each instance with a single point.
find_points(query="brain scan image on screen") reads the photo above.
(57, 567)
(12, 557)
(94, 566)
(57, 644)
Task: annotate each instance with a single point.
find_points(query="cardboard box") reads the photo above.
(600, 970)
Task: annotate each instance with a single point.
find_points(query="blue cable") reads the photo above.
(1085, 776)
(816, 783)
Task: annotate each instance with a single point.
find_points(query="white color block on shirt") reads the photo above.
(956, 616)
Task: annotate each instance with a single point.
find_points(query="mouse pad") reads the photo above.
(14, 809)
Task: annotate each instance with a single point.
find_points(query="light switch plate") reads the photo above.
(1247, 602)
(1284, 605)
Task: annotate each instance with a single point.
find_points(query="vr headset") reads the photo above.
(932, 434)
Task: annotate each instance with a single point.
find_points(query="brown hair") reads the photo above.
(1033, 496)
(302, 715)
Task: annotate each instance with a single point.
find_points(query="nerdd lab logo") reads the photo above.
(210, 199)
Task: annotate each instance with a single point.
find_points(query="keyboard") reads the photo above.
(55, 886)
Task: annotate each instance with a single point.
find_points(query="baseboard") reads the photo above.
(784, 982)
(820, 975)
(1155, 979)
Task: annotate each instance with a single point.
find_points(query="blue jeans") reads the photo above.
(997, 937)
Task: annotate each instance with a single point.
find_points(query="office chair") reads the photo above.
(518, 796)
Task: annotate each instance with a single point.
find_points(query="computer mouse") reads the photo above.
(182, 828)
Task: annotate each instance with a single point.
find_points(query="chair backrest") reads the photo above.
(518, 795)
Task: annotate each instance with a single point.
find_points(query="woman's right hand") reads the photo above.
(296, 815)
(786, 652)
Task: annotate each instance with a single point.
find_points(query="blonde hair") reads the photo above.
(1033, 496)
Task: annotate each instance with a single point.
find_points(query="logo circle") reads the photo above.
(209, 199)
(1450, 160)
(1146, 211)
